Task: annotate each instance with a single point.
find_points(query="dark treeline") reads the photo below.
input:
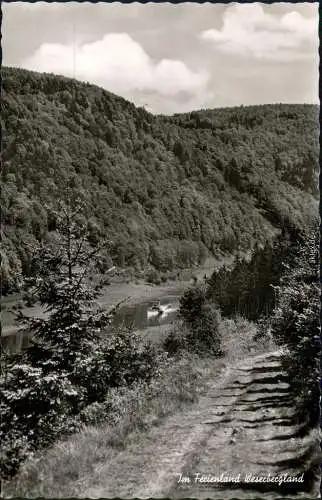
(165, 191)
(247, 287)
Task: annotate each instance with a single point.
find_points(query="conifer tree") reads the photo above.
(62, 282)
(73, 360)
(44, 388)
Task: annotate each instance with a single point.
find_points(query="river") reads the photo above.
(135, 310)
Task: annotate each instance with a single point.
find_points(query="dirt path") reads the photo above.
(241, 426)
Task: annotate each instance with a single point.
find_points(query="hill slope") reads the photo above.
(165, 190)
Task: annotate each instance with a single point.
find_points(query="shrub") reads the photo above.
(163, 278)
(199, 330)
(191, 304)
(204, 336)
(35, 407)
(153, 277)
(119, 359)
(241, 337)
(176, 340)
(146, 401)
(60, 471)
(14, 450)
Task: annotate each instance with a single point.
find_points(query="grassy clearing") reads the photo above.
(125, 415)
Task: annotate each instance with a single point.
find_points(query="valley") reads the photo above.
(208, 220)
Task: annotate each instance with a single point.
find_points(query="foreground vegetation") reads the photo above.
(123, 386)
(126, 412)
(66, 377)
(167, 191)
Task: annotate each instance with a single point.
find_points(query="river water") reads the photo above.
(139, 316)
(137, 313)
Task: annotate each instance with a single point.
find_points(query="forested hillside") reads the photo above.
(165, 191)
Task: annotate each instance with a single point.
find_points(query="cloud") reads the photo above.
(118, 63)
(250, 31)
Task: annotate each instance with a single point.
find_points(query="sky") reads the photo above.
(172, 58)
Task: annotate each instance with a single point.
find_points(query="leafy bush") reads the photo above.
(35, 408)
(176, 340)
(153, 276)
(241, 337)
(204, 335)
(199, 331)
(119, 358)
(59, 471)
(37, 404)
(15, 449)
(192, 303)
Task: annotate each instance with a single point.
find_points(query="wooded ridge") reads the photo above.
(166, 191)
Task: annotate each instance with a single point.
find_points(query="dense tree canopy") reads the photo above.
(167, 190)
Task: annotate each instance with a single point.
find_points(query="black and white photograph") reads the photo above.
(160, 286)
